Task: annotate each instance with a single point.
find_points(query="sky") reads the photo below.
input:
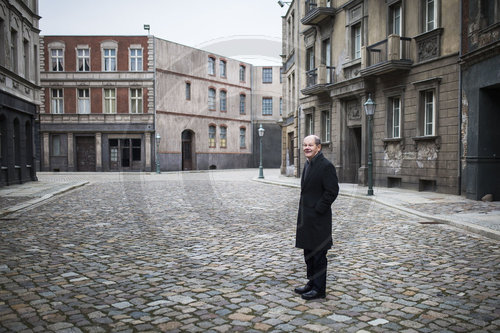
(248, 30)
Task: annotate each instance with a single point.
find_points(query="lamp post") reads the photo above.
(158, 138)
(370, 110)
(261, 134)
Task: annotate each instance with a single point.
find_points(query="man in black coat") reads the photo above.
(319, 189)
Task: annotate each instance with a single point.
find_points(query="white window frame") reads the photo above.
(309, 123)
(57, 60)
(395, 117)
(135, 62)
(83, 59)
(356, 39)
(83, 102)
(109, 105)
(57, 102)
(429, 113)
(136, 102)
(243, 74)
(325, 126)
(427, 21)
(110, 60)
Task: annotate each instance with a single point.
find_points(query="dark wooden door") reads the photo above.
(85, 153)
(187, 150)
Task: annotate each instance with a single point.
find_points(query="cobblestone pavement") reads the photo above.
(199, 254)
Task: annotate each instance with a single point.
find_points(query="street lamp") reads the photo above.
(158, 138)
(261, 134)
(370, 110)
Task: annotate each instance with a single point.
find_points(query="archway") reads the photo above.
(188, 162)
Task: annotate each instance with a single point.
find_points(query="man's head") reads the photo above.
(311, 146)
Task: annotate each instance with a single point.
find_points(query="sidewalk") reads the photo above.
(476, 216)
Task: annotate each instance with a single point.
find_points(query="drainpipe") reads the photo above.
(299, 112)
(460, 151)
(155, 123)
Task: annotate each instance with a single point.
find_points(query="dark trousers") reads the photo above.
(316, 263)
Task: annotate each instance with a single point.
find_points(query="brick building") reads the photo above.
(97, 110)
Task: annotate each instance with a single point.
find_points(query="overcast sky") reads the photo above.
(249, 30)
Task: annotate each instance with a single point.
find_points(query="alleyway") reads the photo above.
(200, 252)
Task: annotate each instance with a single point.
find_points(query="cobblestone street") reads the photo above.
(204, 253)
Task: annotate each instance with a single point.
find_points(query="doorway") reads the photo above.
(125, 154)
(353, 154)
(85, 153)
(187, 150)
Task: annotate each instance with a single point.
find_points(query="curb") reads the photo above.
(32, 202)
(458, 224)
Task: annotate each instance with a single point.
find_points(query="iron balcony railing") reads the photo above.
(392, 48)
(326, 76)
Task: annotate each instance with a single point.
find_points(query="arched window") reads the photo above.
(223, 100)
(223, 136)
(243, 137)
(211, 136)
(211, 99)
(243, 103)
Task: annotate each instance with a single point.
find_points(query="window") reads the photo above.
(243, 137)
(223, 100)
(326, 58)
(309, 124)
(211, 66)
(135, 100)
(109, 101)
(242, 103)
(56, 145)
(26, 58)
(136, 149)
(267, 75)
(83, 101)
(395, 19)
(242, 73)
(211, 99)
(429, 123)
(223, 137)
(281, 106)
(430, 15)
(394, 117)
(13, 50)
(109, 60)
(222, 67)
(57, 101)
(310, 59)
(136, 60)
(325, 126)
(267, 106)
(188, 91)
(356, 38)
(57, 60)
(211, 136)
(83, 60)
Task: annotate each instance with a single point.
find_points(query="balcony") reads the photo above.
(316, 12)
(318, 80)
(389, 55)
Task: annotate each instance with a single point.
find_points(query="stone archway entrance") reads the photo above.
(188, 158)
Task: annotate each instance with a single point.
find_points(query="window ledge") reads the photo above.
(428, 138)
(392, 140)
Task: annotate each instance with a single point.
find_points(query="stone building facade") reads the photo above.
(209, 107)
(480, 98)
(402, 54)
(97, 111)
(19, 90)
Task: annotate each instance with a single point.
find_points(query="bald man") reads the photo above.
(319, 189)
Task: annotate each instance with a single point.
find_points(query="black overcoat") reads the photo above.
(319, 189)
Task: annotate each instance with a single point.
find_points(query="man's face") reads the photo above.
(310, 147)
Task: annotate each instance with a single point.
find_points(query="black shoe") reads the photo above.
(313, 294)
(303, 289)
